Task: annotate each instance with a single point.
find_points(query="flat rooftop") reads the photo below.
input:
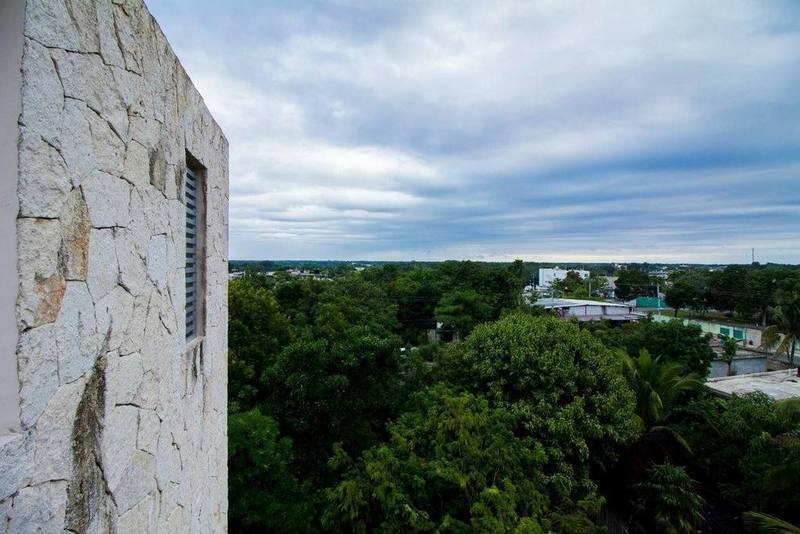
(779, 385)
(573, 303)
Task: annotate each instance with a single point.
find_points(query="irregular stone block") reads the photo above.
(43, 182)
(75, 231)
(39, 246)
(108, 199)
(119, 443)
(78, 341)
(38, 371)
(53, 439)
(103, 272)
(157, 261)
(140, 519)
(137, 481)
(113, 313)
(49, 22)
(131, 258)
(124, 375)
(39, 508)
(149, 426)
(16, 463)
(42, 93)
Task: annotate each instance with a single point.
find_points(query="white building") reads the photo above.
(548, 276)
(590, 310)
(779, 385)
(113, 295)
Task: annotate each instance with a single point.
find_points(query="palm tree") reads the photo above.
(786, 332)
(669, 499)
(759, 523)
(729, 347)
(656, 386)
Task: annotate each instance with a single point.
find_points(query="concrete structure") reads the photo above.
(590, 310)
(443, 335)
(611, 287)
(777, 384)
(110, 420)
(548, 276)
(750, 334)
(741, 365)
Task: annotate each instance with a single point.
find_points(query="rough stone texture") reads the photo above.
(123, 425)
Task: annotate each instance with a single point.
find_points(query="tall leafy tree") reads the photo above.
(567, 287)
(262, 489)
(786, 332)
(325, 390)
(632, 283)
(689, 289)
(729, 348)
(657, 386)
(726, 285)
(462, 309)
(669, 501)
(565, 388)
(673, 342)
(257, 331)
(454, 464)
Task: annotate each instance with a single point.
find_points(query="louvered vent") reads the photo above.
(191, 255)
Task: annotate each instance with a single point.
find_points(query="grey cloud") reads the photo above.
(603, 130)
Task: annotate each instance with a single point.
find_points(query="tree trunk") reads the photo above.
(791, 354)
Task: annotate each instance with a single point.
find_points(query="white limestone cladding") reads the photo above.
(122, 426)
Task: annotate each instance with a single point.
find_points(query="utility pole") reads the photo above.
(658, 296)
(752, 255)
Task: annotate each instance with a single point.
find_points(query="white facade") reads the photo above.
(548, 276)
(590, 310)
(111, 421)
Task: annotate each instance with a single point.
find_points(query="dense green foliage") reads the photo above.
(657, 386)
(748, 447)
(752, 293)
(632, 283)
(565, 387)
(342, 417)
(453, 464)
(668, 500)
(672, 341)
(785, 334)
(261, 485)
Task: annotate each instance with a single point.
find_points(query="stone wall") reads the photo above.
(122, 426)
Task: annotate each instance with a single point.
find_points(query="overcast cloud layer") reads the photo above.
(548, 130)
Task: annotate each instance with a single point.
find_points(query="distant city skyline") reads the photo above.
(550, 132)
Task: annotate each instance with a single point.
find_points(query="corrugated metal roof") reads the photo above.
(574, 303)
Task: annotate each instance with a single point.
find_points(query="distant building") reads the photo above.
(751, 335)
(305, 273)
(611, 287)
(443, 335)
(779, 385)
(590, 310)
(548, 276)
(648, 303)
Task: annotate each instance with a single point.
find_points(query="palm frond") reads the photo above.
(770, 336)
(759, 523)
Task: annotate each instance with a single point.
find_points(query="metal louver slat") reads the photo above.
(191, 242)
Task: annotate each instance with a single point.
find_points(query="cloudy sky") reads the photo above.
(547, 130)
